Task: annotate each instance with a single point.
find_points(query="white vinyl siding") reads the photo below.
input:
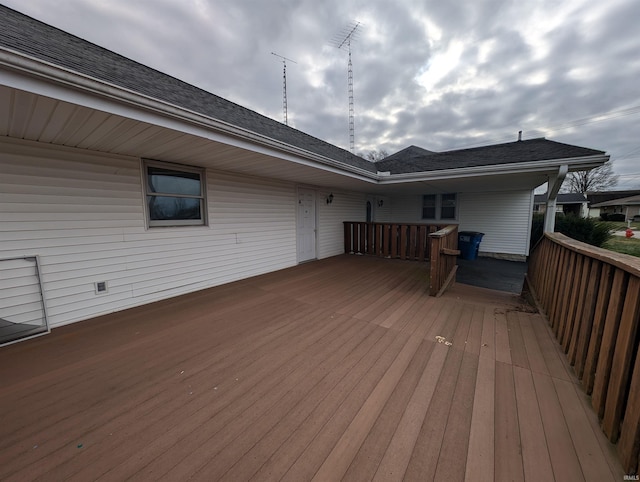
(504, 218)
(382, 213)
(344, 207)
(406, 209)
(83, 214)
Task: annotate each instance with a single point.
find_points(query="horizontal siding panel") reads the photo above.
(33, 317)
(22, 152)
(504, 217)
(22, 305)
(21, 210)
(80, 215)
(17, 268)
(41, 241)
(63, 199)
(58, 313)
(345, 207)
(406, 209)
(72, 190)
(83, 214)
(22, 226)
(12, 292)
(7, 282)
(87, 274)
(74, 171)
(132, 185)
(93, 254)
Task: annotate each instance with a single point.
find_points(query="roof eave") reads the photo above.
(574, 164)
(32, 66)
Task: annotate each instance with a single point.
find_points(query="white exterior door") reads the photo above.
(306, 230)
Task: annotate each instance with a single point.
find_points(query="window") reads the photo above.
(429, 206)
(439, 206)
(176, 195)
(448, 206)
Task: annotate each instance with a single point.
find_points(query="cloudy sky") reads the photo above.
(437, 74)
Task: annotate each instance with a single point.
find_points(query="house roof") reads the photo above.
(530, 150)
(33, 48)
(626, 201)
(565, 198)
(406, 155)
(601, 197)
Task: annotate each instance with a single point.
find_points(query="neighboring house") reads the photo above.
(597, 198)
(570, 203)
(628, 206)
(131, 186)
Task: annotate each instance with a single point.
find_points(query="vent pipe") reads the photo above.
(519, 135)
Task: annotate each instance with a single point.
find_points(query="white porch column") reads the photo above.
(555, 182)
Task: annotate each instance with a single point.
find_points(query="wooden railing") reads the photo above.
(389, 240)
(421, 242)
(444, 249)
(591, 298)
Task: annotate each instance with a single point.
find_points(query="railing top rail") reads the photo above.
(628, 263)
(444, 231)
(389, 223)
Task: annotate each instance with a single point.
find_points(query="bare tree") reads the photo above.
(598, 179)
(374, 155)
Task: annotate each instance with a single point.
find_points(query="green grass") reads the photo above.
(619, 226)
(624, 245)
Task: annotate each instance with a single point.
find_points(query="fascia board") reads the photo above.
(574, 163)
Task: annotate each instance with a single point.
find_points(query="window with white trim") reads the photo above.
(175, 195)
(439, 207)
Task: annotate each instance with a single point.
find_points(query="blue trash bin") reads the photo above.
(469, 244)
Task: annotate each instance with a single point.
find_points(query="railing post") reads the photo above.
(443, 252)
(348, 238)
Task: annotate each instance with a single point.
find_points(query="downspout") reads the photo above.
(555, 182)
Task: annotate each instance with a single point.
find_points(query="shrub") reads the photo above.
(586, 230)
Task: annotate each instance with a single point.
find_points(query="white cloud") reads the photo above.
(441, 64)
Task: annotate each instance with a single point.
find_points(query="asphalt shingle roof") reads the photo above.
(511, 152)
(564, 198)
(600, 197)
(626, 201)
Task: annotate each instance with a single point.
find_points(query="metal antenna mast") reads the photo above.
(284, 84)
(344, 41)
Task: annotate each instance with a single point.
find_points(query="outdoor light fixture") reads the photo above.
(330, 198)
(380, 202)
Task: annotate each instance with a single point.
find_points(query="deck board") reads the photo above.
(330, 370)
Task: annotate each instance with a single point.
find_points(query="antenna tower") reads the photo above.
(343, 41)
(284, 84)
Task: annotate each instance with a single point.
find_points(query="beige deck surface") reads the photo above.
(330, 370)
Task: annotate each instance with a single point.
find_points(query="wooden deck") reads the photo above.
(330, 370)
